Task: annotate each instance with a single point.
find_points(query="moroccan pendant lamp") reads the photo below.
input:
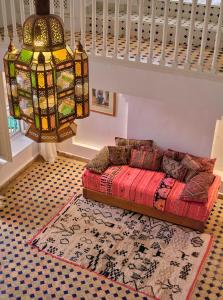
(47, 83)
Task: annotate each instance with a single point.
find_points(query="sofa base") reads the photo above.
(142, 209)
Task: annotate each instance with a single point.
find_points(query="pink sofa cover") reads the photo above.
(145, 187)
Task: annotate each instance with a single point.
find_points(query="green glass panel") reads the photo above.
(12, 69)
(33, 78)
(17, 110)
(37, 122)
(26, 56)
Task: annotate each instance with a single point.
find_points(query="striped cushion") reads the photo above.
(146, 159)
(198, 187)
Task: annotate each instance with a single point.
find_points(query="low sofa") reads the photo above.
(147, 181)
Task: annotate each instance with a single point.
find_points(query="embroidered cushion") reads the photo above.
(100, 163)
(146, 159)
(193, 167)
(197, 189)
(132, 142)
(118, 155)
(207, 164)
(173, 168)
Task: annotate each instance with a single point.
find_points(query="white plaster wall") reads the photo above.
(9, 169)
(176, 110)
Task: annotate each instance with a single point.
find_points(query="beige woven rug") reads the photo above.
(156, 258)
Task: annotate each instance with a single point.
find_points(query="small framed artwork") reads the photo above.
(103, 102)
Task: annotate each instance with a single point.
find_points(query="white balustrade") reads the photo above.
(152, 31)
(83, 21)
(128, 28)
(5, 21)
(93, 26)
(72, 24)
(52, 10)
(105, 27)
(140, 20)
(14, 28)
(31, 7)
(165, 31)
(177, 34)
(204, 34)
(217, 39)
(62, 10)
(191, 33)
(116, 28)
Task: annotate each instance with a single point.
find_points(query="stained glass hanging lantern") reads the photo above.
(47, 83)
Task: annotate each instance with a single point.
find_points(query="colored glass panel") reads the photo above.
(44, 123)
(65, 79)
(85, 88)
(85, 68)
(23, 80)
(60, 55)
(52, 122)
(78, 69)
(12, 69)
(25, 56)
(17, 110)
(78, 89)
(66, 106)
(26, 107)
(79, 110)
(86, 108)
(37, 122)
(33, 79)
(41, 80)
(6, 68)
(49, 79)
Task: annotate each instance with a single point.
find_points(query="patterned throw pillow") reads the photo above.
(192, 166)
(207, 164)
(146, 159)
(173, 168)
(132, 142)
(100, 163)
(118, 155)
(197, 189)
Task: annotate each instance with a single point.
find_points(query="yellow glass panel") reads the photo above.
(44, 123)
(86, 108)
(78, 90)
(41, 81)
(60, 55)
(79, 110)
(42, 103)
(85, 88)
(78, 69)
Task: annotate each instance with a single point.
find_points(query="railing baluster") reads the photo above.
(191, 33)
(62, 10)
(177, 34)
(128, 28)
(105, 27)
(14, 28)
(31, 7)
(165, 30)
(116, 32)
(22, 11)
(152, 31)
(140, 20)
(83, 20)
(204, 34)
(217, 39)
(52, 10)
(5, 23)
(72, 25)
(93, 24)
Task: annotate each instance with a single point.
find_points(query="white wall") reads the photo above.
(176, 110)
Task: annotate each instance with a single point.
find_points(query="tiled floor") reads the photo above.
(32, 199)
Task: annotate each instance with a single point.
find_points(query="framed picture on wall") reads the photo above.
(103, 102)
